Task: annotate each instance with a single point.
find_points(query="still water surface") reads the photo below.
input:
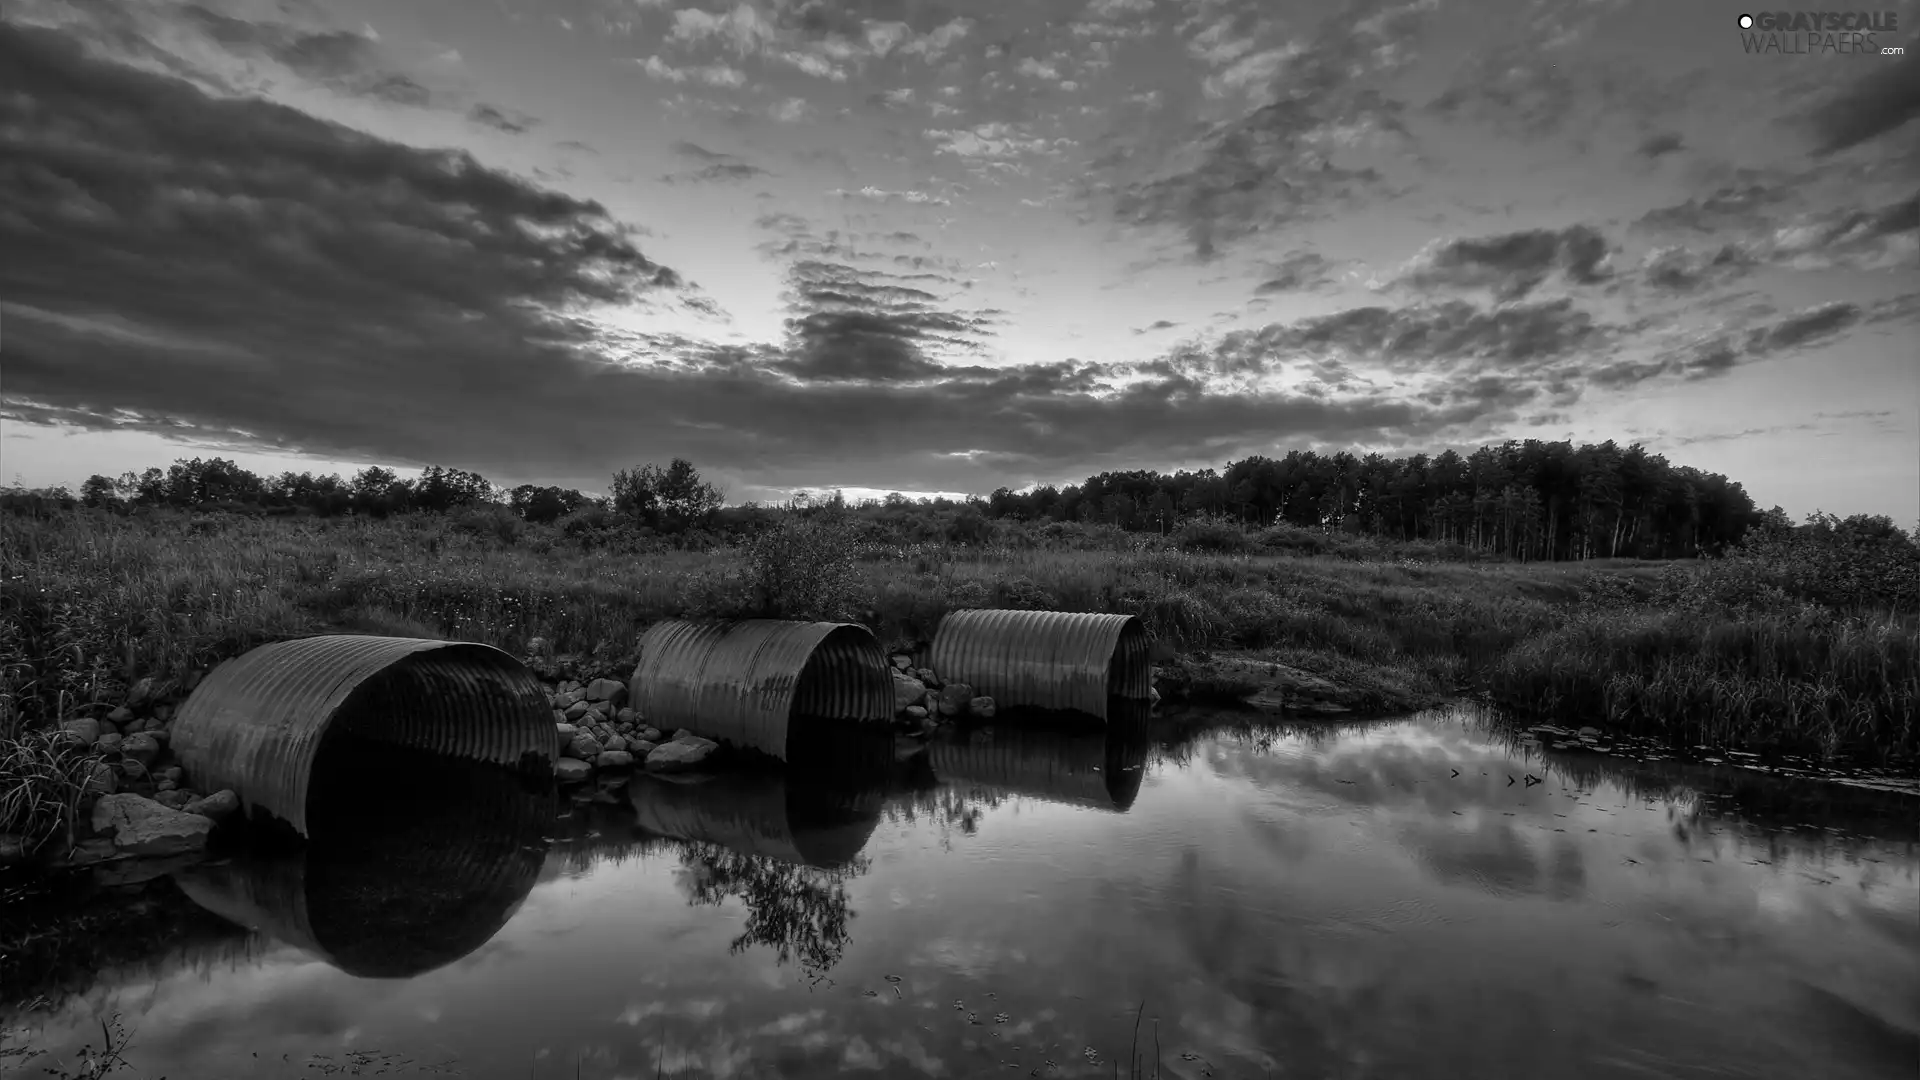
(1341, 901)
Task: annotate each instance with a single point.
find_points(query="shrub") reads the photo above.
(1213, 534)
(805, 569)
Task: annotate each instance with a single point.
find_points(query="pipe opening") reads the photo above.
(1130, 667)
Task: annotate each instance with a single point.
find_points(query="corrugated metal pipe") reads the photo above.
(258, 722)
(1045, 659)
(744, 682)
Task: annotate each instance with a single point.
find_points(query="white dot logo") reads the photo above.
(1746, 22)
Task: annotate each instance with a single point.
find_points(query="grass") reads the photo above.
(1728, 652)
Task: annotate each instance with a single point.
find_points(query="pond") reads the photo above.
(1426, 897)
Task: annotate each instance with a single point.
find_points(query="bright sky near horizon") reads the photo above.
(942, 246)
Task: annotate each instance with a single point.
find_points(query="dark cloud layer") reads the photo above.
(237, 270)
(1512, 265)
(1884, 101)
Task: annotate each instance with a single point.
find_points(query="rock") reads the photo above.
(164, 785)
(537, 646)
(566, 732)
(651, 734)
(141, 693)
(132, 770)
(916, 712)
(109, 744)
(102, 781)
(584, 746)
(614, 759)
(683, 733)
(901, 662)
(559, 716)
(981, 707)
(1153, 695)
(85, 729)
(121, 715)
(577, 710)
(954, 698)
(142, 748)
(614, 744)
(906, 690)
(174, 798)
(144, 827)
(218, 806)
(626, 716)
(94, 849)
(13, 849)
(927, 676)
(1588, 731)
(680, 754)
(1262, 683)
(163, 712)
(611, 690)
(173, 773)
(571, 770)
(575, 695)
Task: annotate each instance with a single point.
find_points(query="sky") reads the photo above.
(948, 247)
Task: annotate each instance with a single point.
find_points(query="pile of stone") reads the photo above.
(922, 702)
(597, 733)
(136, 801)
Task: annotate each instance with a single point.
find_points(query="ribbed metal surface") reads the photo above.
(1044, 659)
(757, 815)
(257, 722)
(742, 682)
(1100, 770)
(394, 883)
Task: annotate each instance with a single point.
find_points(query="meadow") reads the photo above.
(1802, 640)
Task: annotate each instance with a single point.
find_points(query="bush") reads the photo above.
(805, 569)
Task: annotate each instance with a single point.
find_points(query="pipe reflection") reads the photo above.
(413, 861)
(1073, 764)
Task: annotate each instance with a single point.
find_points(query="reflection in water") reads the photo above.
(1326, 900)
(783, 842)
(1081, 765)
(414, 860)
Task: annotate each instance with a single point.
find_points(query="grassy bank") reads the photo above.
(1793, 645)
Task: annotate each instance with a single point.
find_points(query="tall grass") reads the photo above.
(1751, 649)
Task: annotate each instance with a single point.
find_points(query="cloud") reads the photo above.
(874, 194)
(343, 60)
(1511, 265)
(1680, 270)
(499, 120)
(1659, 145)
(1881, 102)
(716, 167)
(1297, 271)
(1277, 162)
(716, 75)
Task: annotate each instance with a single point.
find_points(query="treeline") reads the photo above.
(1525, 500)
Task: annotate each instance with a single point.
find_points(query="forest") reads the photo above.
(1527, 500)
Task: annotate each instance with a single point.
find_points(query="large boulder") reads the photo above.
(614, 759)
(144, 827)
(681, 754)
(907, 690)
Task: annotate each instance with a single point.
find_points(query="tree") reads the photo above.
(670, 499)
(99, 491)
(439, 490)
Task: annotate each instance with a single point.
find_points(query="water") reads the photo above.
(1328, 902)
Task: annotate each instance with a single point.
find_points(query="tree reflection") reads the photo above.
(800, 912)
